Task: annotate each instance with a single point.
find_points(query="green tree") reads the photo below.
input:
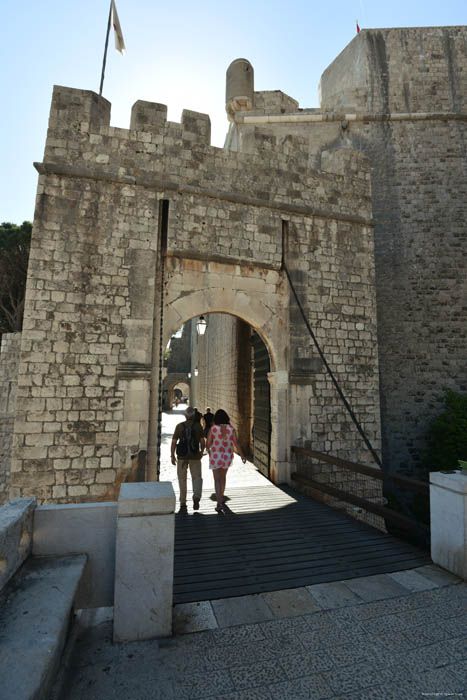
(14, 255)
(447, 435)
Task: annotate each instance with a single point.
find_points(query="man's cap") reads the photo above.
(189, 412)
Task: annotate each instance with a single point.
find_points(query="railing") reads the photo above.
(370, 503)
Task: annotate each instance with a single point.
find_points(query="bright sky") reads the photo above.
(177, 54)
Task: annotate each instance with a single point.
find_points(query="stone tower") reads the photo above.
(399, 96)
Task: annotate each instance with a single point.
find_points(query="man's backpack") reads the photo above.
(188, 443)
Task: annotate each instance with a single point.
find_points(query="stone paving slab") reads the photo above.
(326, 596)
(242, 610)
(436, 574)
(397, 647)
(413, 580)
(333, 595)
(378, 587)
(194, 617)
(295, 601)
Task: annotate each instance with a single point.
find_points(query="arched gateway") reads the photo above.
(137, 231)
(265, 310)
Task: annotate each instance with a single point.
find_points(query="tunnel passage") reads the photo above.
(228, 368)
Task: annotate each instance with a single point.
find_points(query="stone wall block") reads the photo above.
(148, 114)
(197, 123)
(73, 108)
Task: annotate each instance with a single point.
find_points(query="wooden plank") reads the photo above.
(303, 553)
(230, 586)
(299, 545)
(391, 515)
(319, 576)
(376, 473)
(276, 539)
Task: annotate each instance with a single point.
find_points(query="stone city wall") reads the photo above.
(400, 97)
(419, 180)
(87, 375)
(9, 358)
(336, 289)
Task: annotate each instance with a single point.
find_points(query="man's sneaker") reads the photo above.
(196, 504)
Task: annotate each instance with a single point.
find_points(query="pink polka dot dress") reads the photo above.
(221, 452)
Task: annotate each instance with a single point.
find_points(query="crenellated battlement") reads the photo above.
(85, 111)
(78, 109)
(154, 149)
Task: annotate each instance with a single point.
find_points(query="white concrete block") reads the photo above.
(146, 498)
(448, 516)
(144, 561)
(81, 528)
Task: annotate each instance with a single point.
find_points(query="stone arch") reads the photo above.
(257, 297)
(169, 383)
(175, 385)
(235, 302)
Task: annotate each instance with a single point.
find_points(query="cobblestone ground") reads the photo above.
(407, 647)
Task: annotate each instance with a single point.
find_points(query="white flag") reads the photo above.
(119, 43)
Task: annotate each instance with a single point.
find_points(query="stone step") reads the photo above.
(35, 615)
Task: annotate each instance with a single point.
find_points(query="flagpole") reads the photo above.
(105, 49)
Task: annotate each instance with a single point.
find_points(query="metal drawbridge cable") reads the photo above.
(330, 372)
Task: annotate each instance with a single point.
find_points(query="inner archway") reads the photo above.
(229, 369)
(179, 393)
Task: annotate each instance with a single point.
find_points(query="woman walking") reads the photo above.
(222, 439)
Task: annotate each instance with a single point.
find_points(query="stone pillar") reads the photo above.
(280, 437)
(144, 561)
(448, 508)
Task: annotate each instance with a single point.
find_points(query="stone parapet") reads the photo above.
(89, 528)
(16, 523)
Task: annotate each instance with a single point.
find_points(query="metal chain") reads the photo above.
(161, 361)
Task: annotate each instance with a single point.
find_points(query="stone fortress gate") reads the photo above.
(137, 231)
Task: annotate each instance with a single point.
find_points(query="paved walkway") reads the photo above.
(240, 475)
(397, 636)
(400, 636)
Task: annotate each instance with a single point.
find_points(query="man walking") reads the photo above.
(188, 444)
(208, 420)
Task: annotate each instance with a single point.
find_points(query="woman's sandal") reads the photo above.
(219, 507)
